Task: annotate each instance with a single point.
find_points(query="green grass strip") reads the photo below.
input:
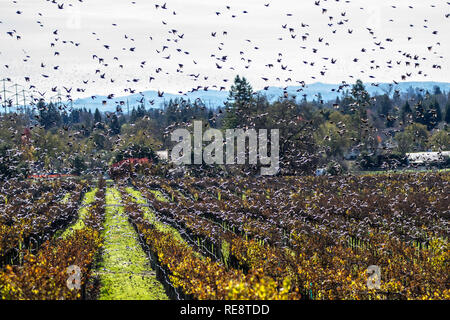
(89, 198)
(66, 198)
(149, 215)
(124, 272)
(159, 196)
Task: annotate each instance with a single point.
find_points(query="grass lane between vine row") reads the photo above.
(83, 211)
(124, 270)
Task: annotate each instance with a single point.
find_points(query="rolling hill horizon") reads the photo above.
(215, 98)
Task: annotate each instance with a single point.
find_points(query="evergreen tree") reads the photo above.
(419, 115)
(410, 93)
(75, 115)
(385, 106)
(362, 98)
(239, 101)
(114, 125)
(171, 112)
(396, 97)
(433, 114)
(65, 118)
(435, 110)
(337, 101)
(345, 103)
(437, 90)
(49, 116)
(319, 101)
(133, 116)
(97, 116)
(360, 94)
(406, 111)
(140, 113)
(98, 120)
(447, 113)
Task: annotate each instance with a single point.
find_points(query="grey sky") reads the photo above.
(197, 19)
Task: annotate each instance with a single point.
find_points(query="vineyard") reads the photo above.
(302, 238)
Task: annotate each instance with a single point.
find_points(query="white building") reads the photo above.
(163, 155)
(419, 158)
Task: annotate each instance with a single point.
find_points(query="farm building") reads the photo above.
(424, 158)
(163, 155)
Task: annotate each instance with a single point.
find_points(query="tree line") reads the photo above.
(355, 131)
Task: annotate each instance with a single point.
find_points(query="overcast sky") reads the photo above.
(251, 41)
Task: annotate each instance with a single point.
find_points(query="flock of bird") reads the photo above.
(108, 57)
(338, 22)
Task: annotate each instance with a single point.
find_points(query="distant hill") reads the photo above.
(214, 98)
